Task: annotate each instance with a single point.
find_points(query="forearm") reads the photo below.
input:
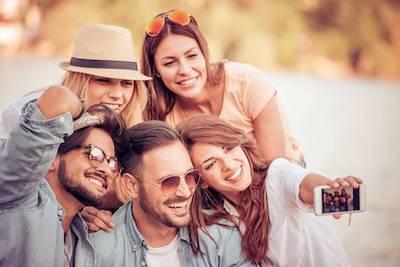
(57, 100)
(312, 180)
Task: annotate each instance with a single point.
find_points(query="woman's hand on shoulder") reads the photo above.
(97, 219)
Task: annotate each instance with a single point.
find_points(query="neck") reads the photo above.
(154, 232)
(210, 101)
(70, 204)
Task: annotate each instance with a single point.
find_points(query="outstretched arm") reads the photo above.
(27, 154)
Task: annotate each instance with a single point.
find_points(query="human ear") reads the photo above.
(130, 184)
(54, 164)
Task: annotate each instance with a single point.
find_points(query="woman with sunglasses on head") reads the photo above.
(102, 70)
(175, 55)
(267, 202)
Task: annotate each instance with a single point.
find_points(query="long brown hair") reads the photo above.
(161, 99)
(253, 209)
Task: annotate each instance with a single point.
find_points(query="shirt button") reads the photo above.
(61, 119)
(60, 212)
(143, 263)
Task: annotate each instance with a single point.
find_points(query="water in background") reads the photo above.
(344, 126)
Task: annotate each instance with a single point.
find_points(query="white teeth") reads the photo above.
(177, 205)
(112, 106)
(188, 82)
(96, 182)
(235, 175)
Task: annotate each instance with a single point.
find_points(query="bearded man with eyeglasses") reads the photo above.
(51, 168)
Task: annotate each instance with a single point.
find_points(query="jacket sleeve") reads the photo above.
(26, 156)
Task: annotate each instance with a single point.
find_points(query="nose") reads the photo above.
(183, 190)
(116, 91)
(228, 164)
(184, 68)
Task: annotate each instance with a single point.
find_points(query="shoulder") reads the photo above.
(113, 246)
(236, 70)
(10, 116)
(221, 233)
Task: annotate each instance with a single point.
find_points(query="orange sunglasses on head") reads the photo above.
(155, 26)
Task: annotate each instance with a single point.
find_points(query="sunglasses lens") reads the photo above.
(155, 26)
(192, 178)
(179, 17)
(170, 184)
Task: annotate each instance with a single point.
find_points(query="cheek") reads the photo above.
(211, 179)
(167, 75)
(128, 94)
(94, 95)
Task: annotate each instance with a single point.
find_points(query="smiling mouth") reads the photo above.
(178, 205)
(113, 106)
(236, 176)
(188, 82)
(99, 182)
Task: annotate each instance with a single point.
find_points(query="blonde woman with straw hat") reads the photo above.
(102, 69)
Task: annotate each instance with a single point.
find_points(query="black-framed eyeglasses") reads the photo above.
(96, 155)
(170, 184)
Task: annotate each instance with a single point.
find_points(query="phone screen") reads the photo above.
(340, 199)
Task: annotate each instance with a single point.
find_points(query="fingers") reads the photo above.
(346, 181)
(97, 219)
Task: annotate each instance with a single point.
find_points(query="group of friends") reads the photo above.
(337, 201)
(181, 163)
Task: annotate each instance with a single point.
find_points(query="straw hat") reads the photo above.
(106, 51)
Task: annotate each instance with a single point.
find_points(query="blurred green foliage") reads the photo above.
(330, 37)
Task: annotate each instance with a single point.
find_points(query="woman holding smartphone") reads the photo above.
(175, 55)
(267, 202)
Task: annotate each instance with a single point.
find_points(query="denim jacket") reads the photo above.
(31, 233)
(125, 246)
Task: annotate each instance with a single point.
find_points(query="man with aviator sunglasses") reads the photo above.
(51, 168)
(152, 228)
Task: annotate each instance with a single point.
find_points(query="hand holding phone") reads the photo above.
(342, 195)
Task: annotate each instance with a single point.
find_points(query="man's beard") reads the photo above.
(150, 211)
(76, 189)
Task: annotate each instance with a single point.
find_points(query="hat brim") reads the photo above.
(122, 74)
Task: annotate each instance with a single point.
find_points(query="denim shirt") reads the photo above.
(125, 246)
(31, 232)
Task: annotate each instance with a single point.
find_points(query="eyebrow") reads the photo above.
(205, 161)
(186, 52)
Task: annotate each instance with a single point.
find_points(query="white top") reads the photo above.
(297, 237)
(164, 256)
(10, 116)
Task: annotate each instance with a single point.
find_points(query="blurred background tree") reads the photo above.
(327, 37)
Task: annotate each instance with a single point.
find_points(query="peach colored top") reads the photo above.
(247, 91)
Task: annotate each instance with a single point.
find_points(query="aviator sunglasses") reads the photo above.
(155, 26)
(170, 183)
(97, 156)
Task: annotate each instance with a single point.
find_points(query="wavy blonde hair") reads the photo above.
(132, 113)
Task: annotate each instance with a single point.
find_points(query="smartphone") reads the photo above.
(328, 200)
